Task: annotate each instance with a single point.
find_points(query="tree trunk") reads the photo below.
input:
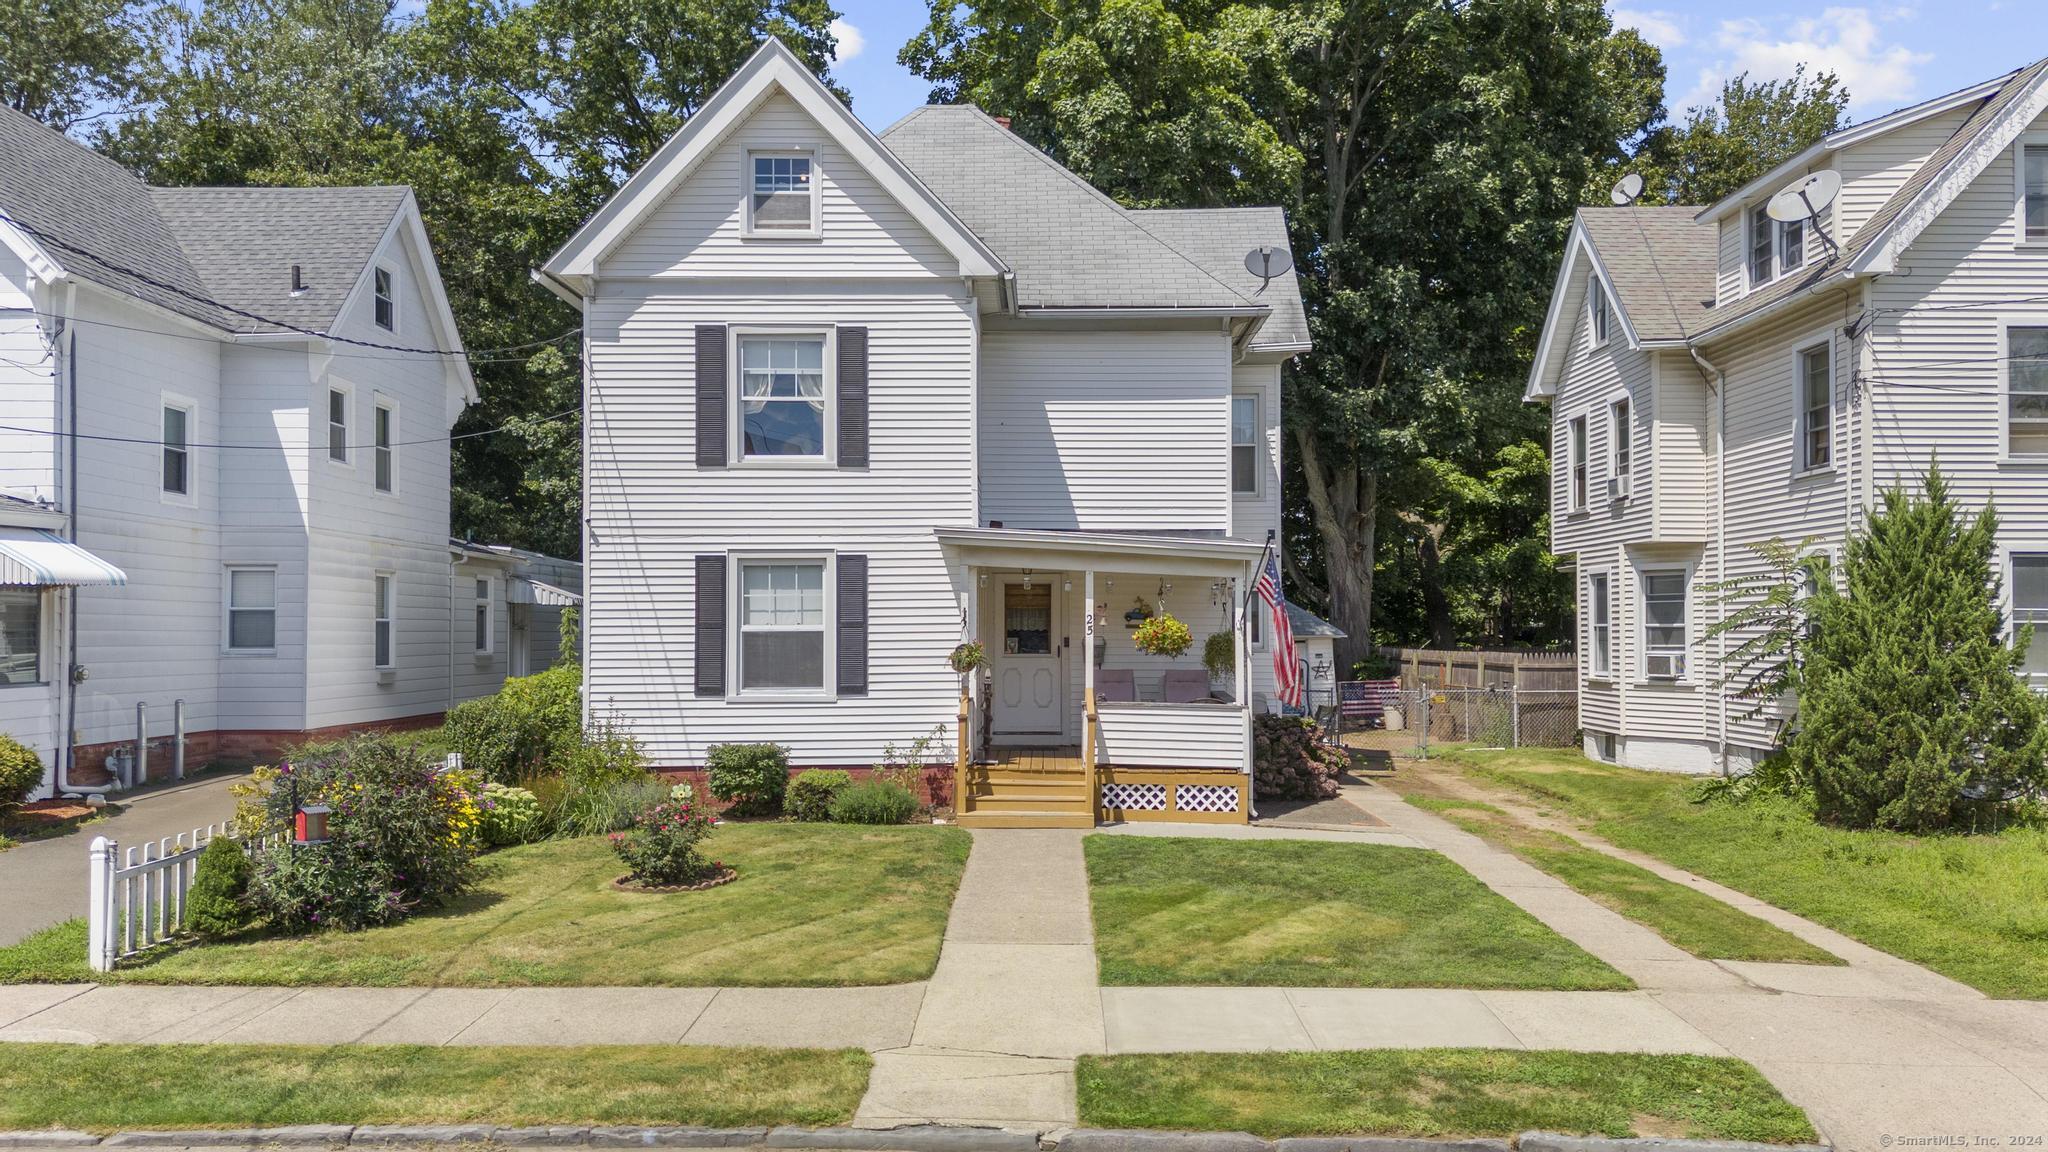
(1343, 504)
(1436, 602)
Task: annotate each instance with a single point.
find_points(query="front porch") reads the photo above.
(1069, 723)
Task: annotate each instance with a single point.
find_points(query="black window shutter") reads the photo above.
(712, 413)
(852, 647)
(853, 397)
(711, 624)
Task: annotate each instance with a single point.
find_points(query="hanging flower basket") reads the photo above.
(1163, 635)
(967, 657)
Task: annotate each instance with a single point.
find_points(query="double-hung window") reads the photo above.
(781, 194)
(386, 597)
(2030, 606)
(1620, 447)
(177, 479)
(337, 425)
(2034, 193)
(483, 617)
(1775, 247)
(1577, 445)
(21, 635)
(782, 396)
(384, 428)
(1244, 445)
(1664, 622)
(1816, 407)
(386, 299)
(252, 609)
(782, 626)
(2026, 392)
(1601, 314)
(1600, 620)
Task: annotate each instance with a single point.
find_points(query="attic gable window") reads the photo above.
(2034, 193)
(387, 305)
(1602, 314)
(782, 194)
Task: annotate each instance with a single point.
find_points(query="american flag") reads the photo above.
(1286, 666)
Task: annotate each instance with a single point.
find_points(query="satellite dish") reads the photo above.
(1268, 262)
(1626, 191)
(1804, 199)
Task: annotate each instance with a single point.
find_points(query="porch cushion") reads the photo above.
(1116, 685)
(1185, 685)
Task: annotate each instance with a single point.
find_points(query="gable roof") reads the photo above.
(218, 256)
(1070, 245)
(1217, 239)
(772, 67)
(1657, 264)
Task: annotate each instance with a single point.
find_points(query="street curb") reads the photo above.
(911, 1138)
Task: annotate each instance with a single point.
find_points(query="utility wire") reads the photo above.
(480, 356)
(157, 442)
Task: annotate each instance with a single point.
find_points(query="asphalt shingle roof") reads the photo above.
(1661, 264)
(1217, 239)
(1070, 245)
(190, 250)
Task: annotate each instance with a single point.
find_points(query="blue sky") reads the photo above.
(1889, 54)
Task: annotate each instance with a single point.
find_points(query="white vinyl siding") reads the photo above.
(252, 609)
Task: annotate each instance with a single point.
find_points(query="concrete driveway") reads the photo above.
(44, 880)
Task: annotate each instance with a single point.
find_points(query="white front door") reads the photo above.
(1029, 672)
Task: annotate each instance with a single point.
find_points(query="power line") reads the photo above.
(157, 442)
(480, 356)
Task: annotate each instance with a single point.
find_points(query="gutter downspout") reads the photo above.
(67, 335)
(1719, 383)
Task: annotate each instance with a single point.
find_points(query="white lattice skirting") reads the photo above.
(1204, 798)
(1134, 797)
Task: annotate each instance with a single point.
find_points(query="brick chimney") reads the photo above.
(1003, 120)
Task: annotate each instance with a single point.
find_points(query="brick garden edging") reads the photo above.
(914, 1138)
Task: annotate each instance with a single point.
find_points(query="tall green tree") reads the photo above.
(63, 61)
(1913, 713)
(1429, 153)
(1752, 128)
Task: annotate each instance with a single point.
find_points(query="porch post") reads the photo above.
(1088, 673)
(1239, 610)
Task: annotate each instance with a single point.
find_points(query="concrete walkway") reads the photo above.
(1014, 998)
(44, 880)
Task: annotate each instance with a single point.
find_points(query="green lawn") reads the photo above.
(1437, 1092)
(815, 904)
(103, 1087)
(1974, 908)
(1688, 918)
(1301, 913)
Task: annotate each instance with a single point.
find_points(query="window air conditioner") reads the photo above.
(1617, 488)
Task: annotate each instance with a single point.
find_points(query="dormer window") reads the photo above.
(1602, 314)
(387, 305)
(1775, 247)
(782, 194)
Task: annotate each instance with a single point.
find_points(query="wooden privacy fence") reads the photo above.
(1476, 668)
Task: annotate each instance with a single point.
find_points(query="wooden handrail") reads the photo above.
(961, 756)
(1091, 724)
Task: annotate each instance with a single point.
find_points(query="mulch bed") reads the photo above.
(46, 816)
(625, 884)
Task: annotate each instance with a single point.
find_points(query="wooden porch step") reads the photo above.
(1030, 802)
(1039, 819)
(1003, 778)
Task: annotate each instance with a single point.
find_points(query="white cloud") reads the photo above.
(1849, 42)
(848, 41)
(1659, 28)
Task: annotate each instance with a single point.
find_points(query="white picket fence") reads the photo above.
(139, 901)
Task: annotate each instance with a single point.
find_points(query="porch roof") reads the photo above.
(1102, 551)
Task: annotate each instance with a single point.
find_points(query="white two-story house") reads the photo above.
(224, 471)
(853, 400)
(1719, 379)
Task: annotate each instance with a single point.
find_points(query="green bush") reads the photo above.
(605, 754)
(601, 808)
(510, 816)
(1289, 764)
(531, 725)
(662, 846)
(402, 836)
(873, 802)
(1913, 714)
(217, 904)
(749, 777)
(810, 795)
(21, 771)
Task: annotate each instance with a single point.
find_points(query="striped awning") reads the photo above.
(35, 556)
(527, 590)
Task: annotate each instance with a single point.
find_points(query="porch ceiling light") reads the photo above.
(1027, 577)
(1067, 584)
(984, 580)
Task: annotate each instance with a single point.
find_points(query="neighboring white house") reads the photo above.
(851, 400)
(1718, 379)
(224, 466)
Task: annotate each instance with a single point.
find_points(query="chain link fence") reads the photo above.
(1382, 719)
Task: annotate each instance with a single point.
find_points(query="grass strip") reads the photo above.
(1298, 913)
(1438, 1092)
(103, 1087)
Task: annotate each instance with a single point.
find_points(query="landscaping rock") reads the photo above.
(1118, 1140)
(47, 1138)
(546, 1136)
(421, 1134)
(677, 1137)
(1558, 1142)
(1384, 1144)
(909, 1138)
